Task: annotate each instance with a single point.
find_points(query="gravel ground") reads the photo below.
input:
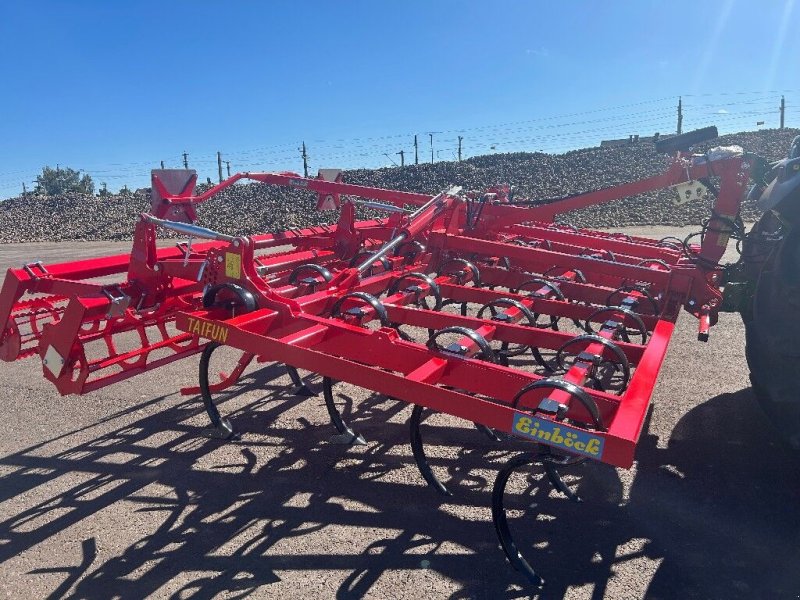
(118, 493)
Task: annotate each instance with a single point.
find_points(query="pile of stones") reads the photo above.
(256, 208)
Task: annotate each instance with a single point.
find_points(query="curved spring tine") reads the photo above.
(220, 426)
(555, 480)
(502, 355)
(464, 307)
(346, 436)
(621, 364)
(501, 521)
(243, 302)
(505, 352)
(537, 356)
(499, 514)
(489, 433)
(301, 389)
(418, 450)
(403, 335)
(377, 306)
(417, 446)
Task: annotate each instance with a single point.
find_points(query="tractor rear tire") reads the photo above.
(772, 331)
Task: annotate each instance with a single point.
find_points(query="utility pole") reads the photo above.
(305, 161)
(24, 189)
(460, 138)
(219, 165)
(416, 150)
(430, 134)
(402, 158)
(185, 160)
(783, 110)
(680, 114)
(228, 165)
(162, 164)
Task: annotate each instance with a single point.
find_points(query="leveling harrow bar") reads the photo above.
(472, 304)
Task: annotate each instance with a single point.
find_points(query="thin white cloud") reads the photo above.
(540, 52)
(722, 111)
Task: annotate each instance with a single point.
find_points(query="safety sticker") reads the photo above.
(233, 265)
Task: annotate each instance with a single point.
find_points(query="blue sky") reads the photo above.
(115, 87)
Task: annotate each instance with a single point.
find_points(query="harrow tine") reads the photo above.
(222, 431)
(301, 389)
(501, 521)
(346, 436)
(421, 458)
(464, 306)
(555, 480)
(486, 353)
(469, 273)
(499, 517)
(418, 450)
(541, 361)
(220, 428)
(520, 309)
(488, 432)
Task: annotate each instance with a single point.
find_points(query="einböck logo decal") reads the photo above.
(557, 434)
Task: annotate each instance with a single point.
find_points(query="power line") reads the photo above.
(274, 150)
(556, 131)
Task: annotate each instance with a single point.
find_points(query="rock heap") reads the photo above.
(251, 208)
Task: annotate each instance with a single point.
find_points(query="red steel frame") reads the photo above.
(75, 323)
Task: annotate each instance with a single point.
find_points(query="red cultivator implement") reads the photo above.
(473, 304)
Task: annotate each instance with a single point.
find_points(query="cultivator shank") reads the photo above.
(472, 304)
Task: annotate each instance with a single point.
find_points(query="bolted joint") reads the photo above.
(555, 409)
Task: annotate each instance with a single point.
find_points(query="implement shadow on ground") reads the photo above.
(721, 503)
(692, 503)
